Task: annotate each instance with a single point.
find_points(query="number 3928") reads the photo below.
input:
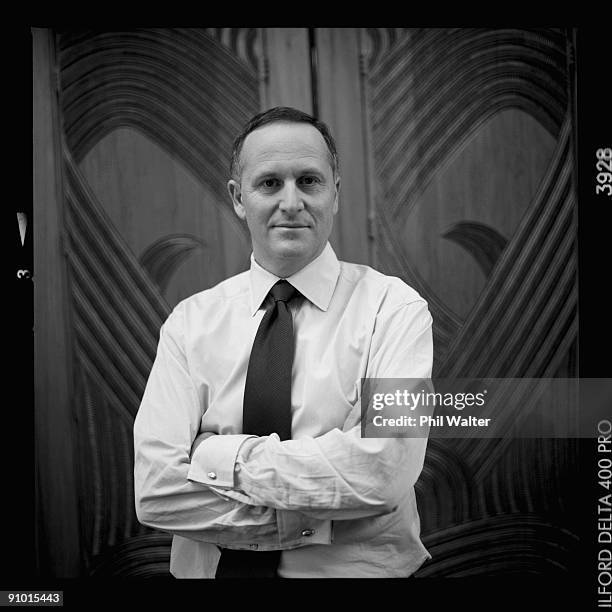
(604, 171)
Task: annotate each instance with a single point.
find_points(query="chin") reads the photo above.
(291, 249)
(287, 256)
(291, 258)
(292, 253)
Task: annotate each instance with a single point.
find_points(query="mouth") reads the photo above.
(291, 226)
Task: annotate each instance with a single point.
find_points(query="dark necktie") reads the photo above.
(267, 393)
(266, 409)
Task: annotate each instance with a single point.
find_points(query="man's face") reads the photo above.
(287, 193)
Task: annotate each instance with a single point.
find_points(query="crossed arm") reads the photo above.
(236, 490)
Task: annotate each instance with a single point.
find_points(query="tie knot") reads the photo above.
(282, 291)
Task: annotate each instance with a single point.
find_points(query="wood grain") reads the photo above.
(149, 116)
(287, 54)
(149, 194)
(56, 491)
(340, 107)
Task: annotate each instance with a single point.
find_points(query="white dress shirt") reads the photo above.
(338, 505)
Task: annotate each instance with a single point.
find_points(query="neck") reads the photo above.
(283, 268)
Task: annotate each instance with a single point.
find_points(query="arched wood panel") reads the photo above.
(475, 205)
(149, 117)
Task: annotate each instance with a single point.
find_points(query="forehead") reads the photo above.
(283, 142)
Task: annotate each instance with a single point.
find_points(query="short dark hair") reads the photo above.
(280, 114)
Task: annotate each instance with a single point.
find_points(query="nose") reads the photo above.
(291, 199)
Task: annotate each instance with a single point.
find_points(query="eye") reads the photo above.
(309, 181)
(269, 183)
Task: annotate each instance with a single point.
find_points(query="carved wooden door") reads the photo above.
(456, 165)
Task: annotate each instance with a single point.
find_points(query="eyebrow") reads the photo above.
(264, 174)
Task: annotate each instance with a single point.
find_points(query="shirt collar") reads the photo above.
(316, 281)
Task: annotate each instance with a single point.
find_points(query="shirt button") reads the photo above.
(307, 532)
(253, 546)
(212, 475)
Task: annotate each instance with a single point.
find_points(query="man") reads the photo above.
(217, 462)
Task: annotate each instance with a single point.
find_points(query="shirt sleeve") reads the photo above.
(166, 425)
(341, 475)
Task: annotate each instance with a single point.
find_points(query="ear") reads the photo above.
(236, 194)
(336, 199)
